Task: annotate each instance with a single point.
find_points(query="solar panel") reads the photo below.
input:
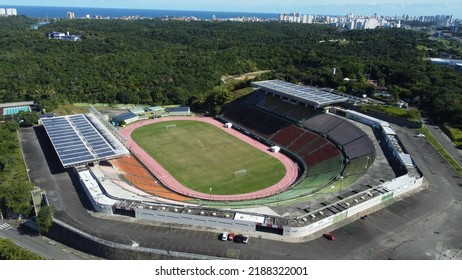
(303, 94)
(76, 140)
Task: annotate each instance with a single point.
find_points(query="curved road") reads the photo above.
(41, 245)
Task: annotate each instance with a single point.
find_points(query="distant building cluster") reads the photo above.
(242, 19)
(71, 15)
(8, 12)
(444, 21)
(359, 22)
(349, 21)
(139, 113)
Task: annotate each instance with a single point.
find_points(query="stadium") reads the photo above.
(283, 144)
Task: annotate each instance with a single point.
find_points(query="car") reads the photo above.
(224, 236)
(420, 135)
(245, 239)
(239, 238)
(329, 236)
(231, 236)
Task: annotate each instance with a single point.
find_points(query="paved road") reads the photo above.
(443, 139)
(422, 226)
(39, 244)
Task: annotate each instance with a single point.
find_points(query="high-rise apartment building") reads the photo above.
(444, 21)
(11, 12)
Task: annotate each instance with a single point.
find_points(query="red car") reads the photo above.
(329, 236)
(230, 236)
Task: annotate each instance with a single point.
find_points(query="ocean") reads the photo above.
(61, 12)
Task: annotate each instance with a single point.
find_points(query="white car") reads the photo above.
(420, 135)
(224, 236)
(245, 239)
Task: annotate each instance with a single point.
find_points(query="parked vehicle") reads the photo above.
(329, 236)
(224, 236)
(239, 238)
(231, 236)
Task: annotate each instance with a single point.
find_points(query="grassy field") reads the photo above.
(201, 157)
(455, 134)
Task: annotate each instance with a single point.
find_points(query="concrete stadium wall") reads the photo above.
(309, 229)
(88, 243)
(363, 206)
(401, 185)
(350, 212)
(101, 203)
(194, 220)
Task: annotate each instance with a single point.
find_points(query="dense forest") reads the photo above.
(14, 186)
(164, 62)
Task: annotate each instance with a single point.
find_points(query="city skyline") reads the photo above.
(328, 7)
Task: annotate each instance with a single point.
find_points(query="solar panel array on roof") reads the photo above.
(299, 93)
(76, 140)
(97, 142)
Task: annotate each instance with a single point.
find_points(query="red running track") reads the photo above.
(170, 182)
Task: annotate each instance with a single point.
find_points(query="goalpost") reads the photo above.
(170, 126)
(240, 173)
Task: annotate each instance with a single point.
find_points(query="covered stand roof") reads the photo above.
(303, 94)
(77, 141)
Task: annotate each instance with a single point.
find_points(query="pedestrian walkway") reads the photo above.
(5, 226)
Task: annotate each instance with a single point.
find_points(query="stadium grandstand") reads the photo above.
(78, 140)
(297, 94)
(293, 117)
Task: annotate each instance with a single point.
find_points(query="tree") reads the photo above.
(166, 62)
(11, 126)
(16, 195)
(44, 219)
(27, 118)
(220, 96)
(341, 88)
(10, 251)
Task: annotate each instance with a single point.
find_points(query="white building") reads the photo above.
(11, 12)
(70, 15)
(371, 23)
(8, 12)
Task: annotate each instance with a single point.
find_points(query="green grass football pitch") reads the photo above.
(201, 156)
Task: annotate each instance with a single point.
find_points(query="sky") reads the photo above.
(325, 7)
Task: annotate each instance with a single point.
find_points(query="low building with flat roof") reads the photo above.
(125, 118)
(138, 111)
